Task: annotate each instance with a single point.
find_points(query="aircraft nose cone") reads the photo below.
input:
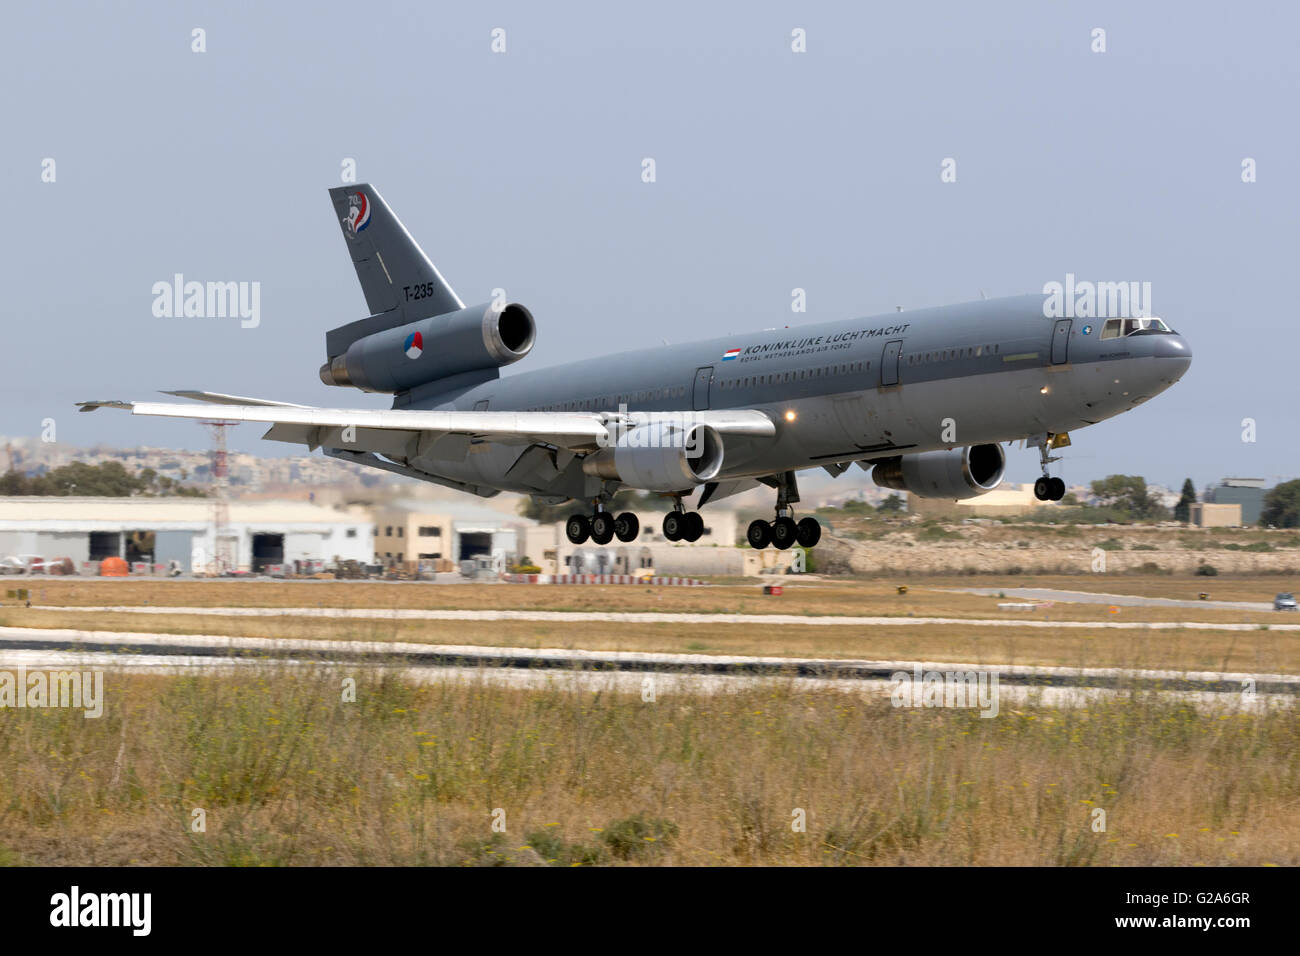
(1176, 353)
(1173, 346)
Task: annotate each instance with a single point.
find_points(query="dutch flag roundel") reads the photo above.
(414, 345)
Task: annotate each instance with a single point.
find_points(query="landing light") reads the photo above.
(790, 416)
(1043, 390)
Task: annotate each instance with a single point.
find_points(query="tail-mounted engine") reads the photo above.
(479, 337)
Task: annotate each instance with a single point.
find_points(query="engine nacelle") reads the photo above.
(660, 457)
(959, 473)
(479, 337)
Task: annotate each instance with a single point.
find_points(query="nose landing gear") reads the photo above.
(1048, 488)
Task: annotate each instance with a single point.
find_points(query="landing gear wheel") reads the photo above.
(759, 534)
(626, 527)
(808, 532)
(577, 529)
(602, 527)
(694, 526)
(1043, 489)
(674, 525)
(784, 532)
(1058, 489)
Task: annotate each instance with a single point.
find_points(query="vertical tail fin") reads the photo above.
(399, 281)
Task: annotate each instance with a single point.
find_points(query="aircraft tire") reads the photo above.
(577, 529)
(674, 525)
(627, 527)
(602, 527)
(808, 533)
(784, 532)
(759, 534)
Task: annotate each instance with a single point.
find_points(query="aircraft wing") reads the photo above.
(218, 398)
(317, 427)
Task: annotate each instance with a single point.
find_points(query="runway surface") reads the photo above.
(656, 617)
(1124, 600)
(619, 670)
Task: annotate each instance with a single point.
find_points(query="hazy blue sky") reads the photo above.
(775, 170)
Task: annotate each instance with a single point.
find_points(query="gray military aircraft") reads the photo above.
(924, 399)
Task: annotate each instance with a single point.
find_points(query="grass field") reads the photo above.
(286, 772)
(1258, 650)
(827, 596)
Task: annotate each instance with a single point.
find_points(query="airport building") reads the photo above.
(1247, 492)
(438, 536)
(1205, 514)
(1005, 501)
(161, 530)
(715, 552)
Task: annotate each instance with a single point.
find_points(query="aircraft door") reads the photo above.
(700, 393)
(1061, 341)
(889, 363)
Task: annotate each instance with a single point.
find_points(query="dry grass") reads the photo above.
(851, 597)
(289, 774)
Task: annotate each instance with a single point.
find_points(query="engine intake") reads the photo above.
(479, 337)
(958, 473)
(660, 457)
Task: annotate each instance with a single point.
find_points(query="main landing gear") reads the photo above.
(602, 527)
(683, 525)
(1048, 488)
(784, 531)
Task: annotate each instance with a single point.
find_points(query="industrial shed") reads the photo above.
(160, 530)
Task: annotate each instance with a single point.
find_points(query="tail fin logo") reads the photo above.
(358, 213)
(414, 345)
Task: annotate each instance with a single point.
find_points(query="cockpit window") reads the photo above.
(1116, 328)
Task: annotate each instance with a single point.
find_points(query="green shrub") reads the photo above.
(636, 836)
(555, 850)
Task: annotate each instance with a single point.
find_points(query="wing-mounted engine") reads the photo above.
(471, 339)
(660, 457)
(957, 473)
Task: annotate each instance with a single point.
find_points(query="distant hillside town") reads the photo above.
(177, 469)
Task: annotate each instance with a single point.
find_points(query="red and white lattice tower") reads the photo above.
(223, 557)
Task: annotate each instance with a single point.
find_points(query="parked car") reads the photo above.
(10, 564)
(1285, 602)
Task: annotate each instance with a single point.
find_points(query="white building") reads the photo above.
(427, 533)
(160, 530)
(714, 553)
